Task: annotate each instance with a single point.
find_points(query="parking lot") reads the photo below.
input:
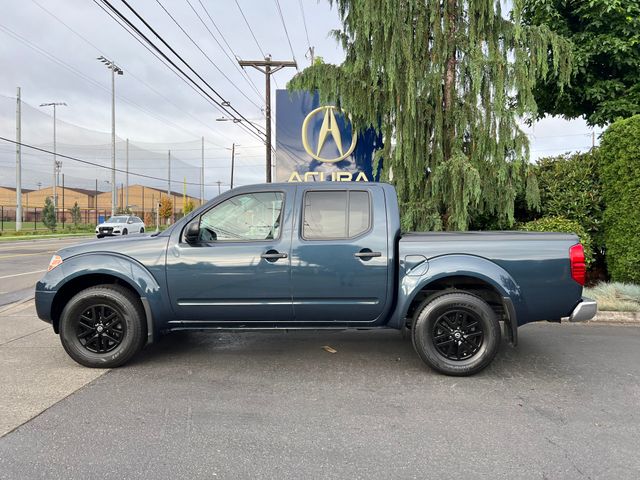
(563, 404)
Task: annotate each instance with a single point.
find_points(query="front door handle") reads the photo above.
(366, 254)
(273, 255)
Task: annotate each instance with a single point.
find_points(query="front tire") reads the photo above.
(124, 232)
(456, 333)
(103, 326)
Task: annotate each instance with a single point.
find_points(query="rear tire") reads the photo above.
(456, 333)
(142, 230)
(103, 326)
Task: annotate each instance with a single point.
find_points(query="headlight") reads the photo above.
(55, 261)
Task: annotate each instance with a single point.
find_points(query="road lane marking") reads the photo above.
(20, 274)
(13, 255)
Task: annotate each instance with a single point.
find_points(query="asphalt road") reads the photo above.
(564, 404)
(23, 262)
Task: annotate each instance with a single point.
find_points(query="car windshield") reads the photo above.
(117, 220)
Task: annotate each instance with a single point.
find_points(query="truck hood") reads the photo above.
(124, 245)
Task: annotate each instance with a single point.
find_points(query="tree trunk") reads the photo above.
(450, 21)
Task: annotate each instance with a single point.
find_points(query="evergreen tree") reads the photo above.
(76, 215)
(446, 82)
(49, 214)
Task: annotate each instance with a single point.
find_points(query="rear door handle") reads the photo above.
(273, 255)
(367, 254)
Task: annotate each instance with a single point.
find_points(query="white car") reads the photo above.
(120, 225)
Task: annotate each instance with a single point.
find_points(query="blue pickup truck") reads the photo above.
(312, 256)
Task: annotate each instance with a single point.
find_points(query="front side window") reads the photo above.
(252, 216)
(335, 215)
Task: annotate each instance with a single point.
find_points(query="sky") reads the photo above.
(49, 49)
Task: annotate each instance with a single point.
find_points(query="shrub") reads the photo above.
(620, 297)
(620, 173)
(570, 187)
(561, 224)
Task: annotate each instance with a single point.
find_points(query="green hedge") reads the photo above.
(620, 174)
(564, 225)
(570, 188)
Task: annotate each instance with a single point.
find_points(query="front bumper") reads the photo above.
(585, 310)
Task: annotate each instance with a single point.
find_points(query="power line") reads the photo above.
(221, 103)
(149, 87)
(94, 164)
(250, 29)
(207, 56)
(86, 78)
(232, 60)
(286, 32)
(304, 22)
(162, 60)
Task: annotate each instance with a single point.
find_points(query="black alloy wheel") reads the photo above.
(100, 329)
(103, 326)
(456, 333)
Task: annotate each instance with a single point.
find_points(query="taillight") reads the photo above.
(578, 267)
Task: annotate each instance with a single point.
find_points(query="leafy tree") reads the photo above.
(620, 173)
(76, 215)
(49, 214)
(606, 38)
(166, 208)
(446, 83)
(148, 219)
(188, 207)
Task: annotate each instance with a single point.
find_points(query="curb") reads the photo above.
(616, 317)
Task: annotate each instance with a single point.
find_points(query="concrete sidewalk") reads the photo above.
(35, 371)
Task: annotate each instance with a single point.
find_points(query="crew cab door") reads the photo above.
(240, 269)
(339, 257)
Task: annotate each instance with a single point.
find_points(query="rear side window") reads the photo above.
(331, 215)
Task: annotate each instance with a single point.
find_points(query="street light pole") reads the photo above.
(55, 156)
(114, 69)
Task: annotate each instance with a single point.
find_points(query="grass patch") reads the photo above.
(615, 296)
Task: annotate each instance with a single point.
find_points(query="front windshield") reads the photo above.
(117, 220)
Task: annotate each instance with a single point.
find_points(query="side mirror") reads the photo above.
(192, 232)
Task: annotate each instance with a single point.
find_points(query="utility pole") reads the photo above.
(268, 67)
(55, 156)
(169, 174)
(114, 69)
(126, 177)
(218, 182)
(233, 158)
(18, 162)
(593, 139)
(202, 176)
(63, 212)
